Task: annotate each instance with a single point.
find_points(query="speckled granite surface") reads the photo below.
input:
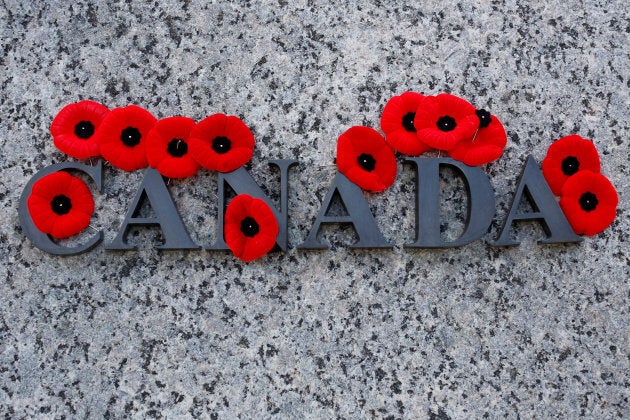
(471, 332)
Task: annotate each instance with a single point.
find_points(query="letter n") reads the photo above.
(242, 183)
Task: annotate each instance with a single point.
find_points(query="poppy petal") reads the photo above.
(234, 238)
(565, 157)
(82, 200)
(67, 226)
(366, 159)
(74, 126)
(589, 201)
(39, 209)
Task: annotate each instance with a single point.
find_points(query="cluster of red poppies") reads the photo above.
(414, 124)
(587, 198)
(132, 138)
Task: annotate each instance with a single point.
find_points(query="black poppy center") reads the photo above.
(249, 227)
(366, 161)
(446, 123)
(177, 148)
(570, 165)
(84, 129)
(130, 136)
(221, 145)
(61, 204)
(407, 121)
(588, 201)
(484, 118)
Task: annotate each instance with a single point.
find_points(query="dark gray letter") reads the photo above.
(546, 209)
(173, 230)
(480, 203)
(359, 215)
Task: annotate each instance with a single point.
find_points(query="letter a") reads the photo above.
(546, 209)
(359, 215)
(166, 216)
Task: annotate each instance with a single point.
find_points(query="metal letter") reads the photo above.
(242, 183)
(42, 240)
(359, 215)
(480, 209)
(166, 216)
(546, 209)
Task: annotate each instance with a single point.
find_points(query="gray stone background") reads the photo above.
(529, 331)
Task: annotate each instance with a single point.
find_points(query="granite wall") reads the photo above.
(476, 331)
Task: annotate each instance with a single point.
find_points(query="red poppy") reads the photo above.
(74, 126)
(444, 120)
(589, 201)
(222, 143)
(397, 124)
(122, 137)
(567, 156)
(60, 204)
(366, 159)
(168, 147)
(251, 227)
(485, 145)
